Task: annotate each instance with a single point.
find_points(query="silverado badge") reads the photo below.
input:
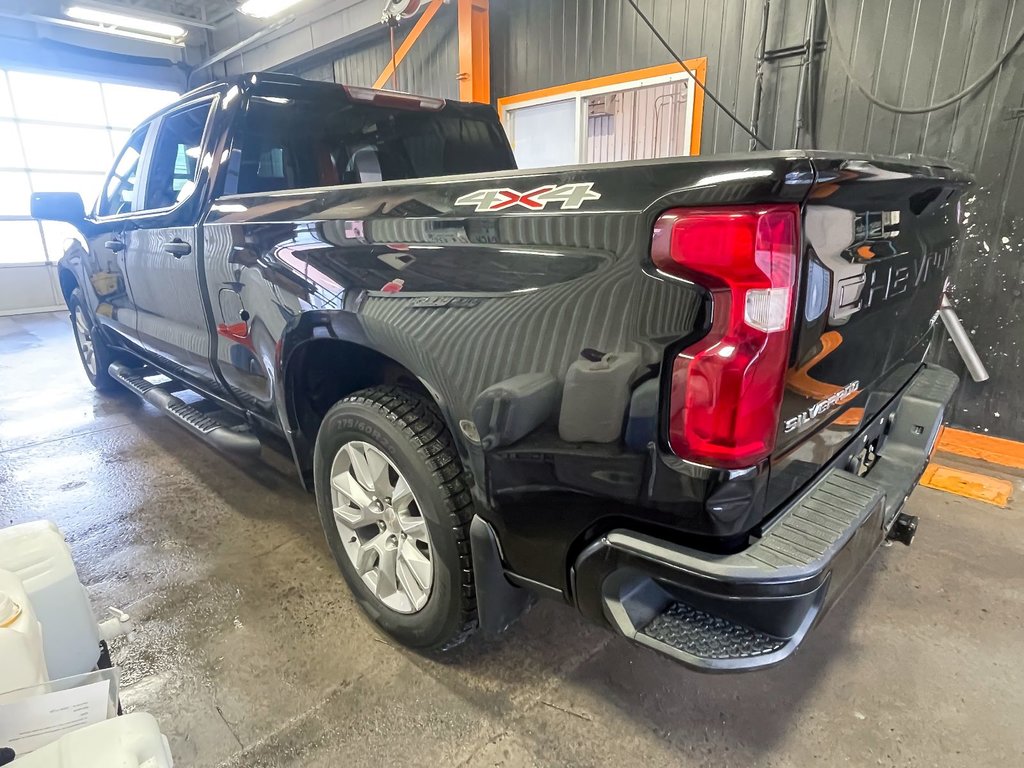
(823, 406)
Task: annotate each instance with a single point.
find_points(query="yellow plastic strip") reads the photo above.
(971, 485)
(996, 450)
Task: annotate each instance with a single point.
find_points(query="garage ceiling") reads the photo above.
(202, 11)
(210, 11)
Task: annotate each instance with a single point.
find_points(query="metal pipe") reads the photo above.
(962, 341)
(239, 46)
(755, 111)
(805, 65)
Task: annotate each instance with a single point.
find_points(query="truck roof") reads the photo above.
(257, 82)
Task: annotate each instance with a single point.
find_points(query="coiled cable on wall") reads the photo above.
(845, 64)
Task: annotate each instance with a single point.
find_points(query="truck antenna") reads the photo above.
(692, 74)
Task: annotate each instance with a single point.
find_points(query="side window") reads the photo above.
(279, 150)
(119, 192)
(175, 164)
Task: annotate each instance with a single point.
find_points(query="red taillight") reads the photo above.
(727, 388)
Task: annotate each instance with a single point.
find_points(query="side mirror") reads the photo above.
(58, 206)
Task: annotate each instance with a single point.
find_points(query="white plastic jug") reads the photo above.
(22, 662)
(131, 741)
(37, 553)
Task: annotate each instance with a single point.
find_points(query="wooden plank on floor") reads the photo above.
(996, 450)
(971, 485)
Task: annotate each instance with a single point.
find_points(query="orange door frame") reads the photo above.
(474, 51)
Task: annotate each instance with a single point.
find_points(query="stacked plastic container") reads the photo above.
(48, 632)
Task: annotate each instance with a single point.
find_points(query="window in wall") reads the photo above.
(637, 123)
(173, 169)
(129, 105)
(11, 154)
(6, 107)
(544, 134)
(56, 99)
(22, 242)
(638, 115)
(59, 134)
(15, 192)
(67, 147)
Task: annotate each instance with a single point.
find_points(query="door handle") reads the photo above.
(178, 248)
(115, 245)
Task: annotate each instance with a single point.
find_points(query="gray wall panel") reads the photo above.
(429, 69)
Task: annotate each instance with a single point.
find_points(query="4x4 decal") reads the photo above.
(571, 197)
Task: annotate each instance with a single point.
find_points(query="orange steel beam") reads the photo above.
(474, 51)
(409, 41)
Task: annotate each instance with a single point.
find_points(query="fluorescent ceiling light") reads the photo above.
(264, 9)
(132, 23)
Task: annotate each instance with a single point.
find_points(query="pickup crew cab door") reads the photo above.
(103, 264)
(164, 257)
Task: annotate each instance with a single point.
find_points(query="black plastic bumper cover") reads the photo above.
(752, 609)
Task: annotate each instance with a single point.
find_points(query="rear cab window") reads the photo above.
(327, 139)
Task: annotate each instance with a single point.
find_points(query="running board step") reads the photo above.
(710, 640)
(240, 442)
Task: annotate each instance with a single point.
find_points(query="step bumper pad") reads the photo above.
(753, 608)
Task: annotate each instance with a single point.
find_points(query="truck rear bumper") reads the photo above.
(752, 609)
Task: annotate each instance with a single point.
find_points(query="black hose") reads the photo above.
(846, 65)
(690, 72)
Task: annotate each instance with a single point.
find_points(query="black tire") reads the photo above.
(409, 430)
(100, 377)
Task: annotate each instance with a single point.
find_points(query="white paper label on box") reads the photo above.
(35, 721)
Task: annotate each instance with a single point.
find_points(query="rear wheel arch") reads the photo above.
(321, 372)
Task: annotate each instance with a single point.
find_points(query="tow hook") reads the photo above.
(904, 529)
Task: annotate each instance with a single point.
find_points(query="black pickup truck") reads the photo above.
(686, 396)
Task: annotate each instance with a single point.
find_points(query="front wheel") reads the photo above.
(395, 505)
(92, 349)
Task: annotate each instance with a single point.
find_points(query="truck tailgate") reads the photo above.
(880, 237)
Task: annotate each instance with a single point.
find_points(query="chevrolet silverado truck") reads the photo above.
(687, 396)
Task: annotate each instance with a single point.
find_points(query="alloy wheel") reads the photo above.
(83, 334)
(381, 526)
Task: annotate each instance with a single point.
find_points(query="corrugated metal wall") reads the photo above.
(540, 43)
(912, 52)
(429, 69)
(920, 51)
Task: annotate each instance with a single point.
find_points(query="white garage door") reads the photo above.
(57, 134)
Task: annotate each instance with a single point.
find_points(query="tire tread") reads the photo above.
(419, 419)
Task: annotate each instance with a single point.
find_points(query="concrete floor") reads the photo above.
(250, 652)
